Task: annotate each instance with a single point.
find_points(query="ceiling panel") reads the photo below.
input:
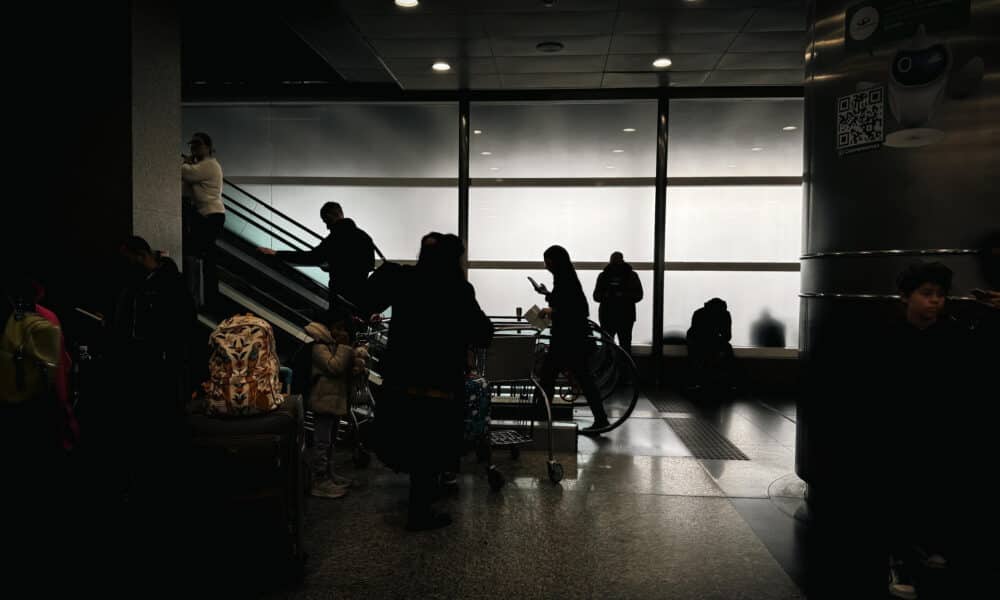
(366, 75)
(683, 21)
(635, 80)
(778, 19)
(420, 26)
(390, 48)
(703, 4)
(764, 60)
(449, 82)
(423, 65)
(654, 44)
(644, 62)
(551, 64)
(770, 77)
(547, 25)
(552, 80)
(777, 41)
(572, 45)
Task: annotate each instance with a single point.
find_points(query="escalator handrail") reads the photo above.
(266, 222)
(274, 210)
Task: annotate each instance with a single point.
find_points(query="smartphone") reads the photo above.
(535, 285)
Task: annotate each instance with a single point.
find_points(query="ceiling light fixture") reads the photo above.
(789, 128)
(610, 167)
(407, 3)
(486, 153)
(629, 130)
(618, 151)
(441, 67)
(477, 131)
(662, 63)
(494, 168)
(756, 149)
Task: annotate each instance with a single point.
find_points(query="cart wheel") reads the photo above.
(483, 449)
(495, 478)
(362, 458)
(515, 452)
(555, 472)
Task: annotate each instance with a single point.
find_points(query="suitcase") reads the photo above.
(247, 477)
(477, 409)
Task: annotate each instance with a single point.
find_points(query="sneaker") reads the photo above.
(431, 521)
(327, 489)
(900, 585)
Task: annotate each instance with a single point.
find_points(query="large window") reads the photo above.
(393, 166)
(733, 227)
(580, 174)
(576, 174)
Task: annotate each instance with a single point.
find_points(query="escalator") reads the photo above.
(287, 297)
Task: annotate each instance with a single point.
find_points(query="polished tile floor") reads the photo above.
(635, 517)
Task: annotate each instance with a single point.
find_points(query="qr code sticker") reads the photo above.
(861, 120)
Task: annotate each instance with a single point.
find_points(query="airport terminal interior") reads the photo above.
(639, 299)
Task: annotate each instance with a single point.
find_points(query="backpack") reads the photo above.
(29, 356)
(243, 368)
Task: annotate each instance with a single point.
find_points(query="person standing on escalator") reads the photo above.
(571, 341)
(204, 211)
(348, 252)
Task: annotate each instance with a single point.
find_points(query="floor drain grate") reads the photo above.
(704, 441)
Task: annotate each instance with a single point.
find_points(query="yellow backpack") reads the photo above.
(29, 355)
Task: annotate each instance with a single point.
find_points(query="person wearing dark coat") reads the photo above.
(435, 320)
(618, 290)
(347, 252)
(571, 342)
(709, 353)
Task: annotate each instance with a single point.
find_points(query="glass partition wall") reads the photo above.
(580, 174)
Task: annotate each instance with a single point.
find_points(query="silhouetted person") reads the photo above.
(925, 367)
(348, 253)
(435, 319)
(618, 290)
(709, 353)
(768, 332)
(205, 213)
(571, 343)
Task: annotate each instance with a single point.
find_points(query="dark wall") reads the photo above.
(72, 196)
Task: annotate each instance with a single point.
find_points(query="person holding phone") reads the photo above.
(571, 341)
(205, 212)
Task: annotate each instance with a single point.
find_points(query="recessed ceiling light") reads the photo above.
(477, 131)
(494, 168)
(629, 130)
(662, 63)
(789, 128)
(618, 151)
(756, 149)
(407, 3)
(731, 166)
(486, 153)
(610, 167)
(441, 66)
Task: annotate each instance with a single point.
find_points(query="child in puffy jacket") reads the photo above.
(336, 364)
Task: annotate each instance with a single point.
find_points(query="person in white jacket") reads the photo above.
(205, 213)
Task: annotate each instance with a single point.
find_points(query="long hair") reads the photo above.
(563, 272)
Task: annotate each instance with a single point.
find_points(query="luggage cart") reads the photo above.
(509, 366)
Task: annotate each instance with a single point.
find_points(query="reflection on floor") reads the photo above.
(635, 517)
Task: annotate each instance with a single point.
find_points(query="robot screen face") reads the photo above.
(920, 67)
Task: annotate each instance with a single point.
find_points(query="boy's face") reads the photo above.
(926, 302)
